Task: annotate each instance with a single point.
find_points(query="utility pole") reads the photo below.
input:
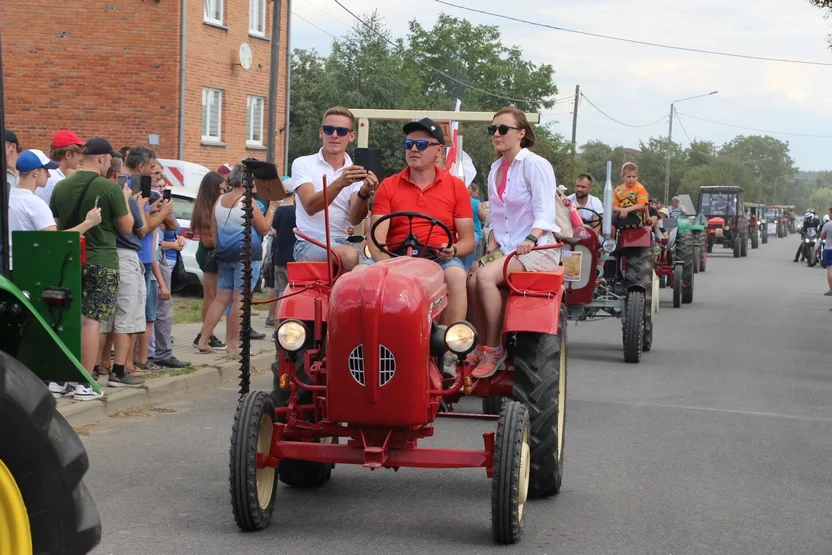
(575, 118)
(669, 152)
(273, 78)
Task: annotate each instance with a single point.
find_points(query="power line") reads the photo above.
(682, 125)
(440, 72)
(583, 119)
(329, 15)
(757, 129)
(618, 121)
(633, 41)
(313, 25)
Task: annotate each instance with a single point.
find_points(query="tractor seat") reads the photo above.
(309, 271)
(538, 281)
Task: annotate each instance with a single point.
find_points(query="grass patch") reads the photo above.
(188, 310)
(170, 373)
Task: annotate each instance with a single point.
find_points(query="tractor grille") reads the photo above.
(386, 365)
(356, 364)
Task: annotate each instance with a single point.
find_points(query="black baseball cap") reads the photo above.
(99, 145)
(12, 138)
(426, 124)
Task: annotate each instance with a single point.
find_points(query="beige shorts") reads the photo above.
(131, 296)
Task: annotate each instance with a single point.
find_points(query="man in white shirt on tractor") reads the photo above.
(582, 199)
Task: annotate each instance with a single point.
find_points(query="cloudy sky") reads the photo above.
(635, 84)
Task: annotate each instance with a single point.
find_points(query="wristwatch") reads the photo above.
(532, 238)
(362, 197)
(454, 246)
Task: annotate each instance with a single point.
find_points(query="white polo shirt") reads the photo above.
(311, 169)
(27, 213)
(593, 203)
(45, 193)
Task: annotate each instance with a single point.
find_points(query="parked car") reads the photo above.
(179, 173)
(183, 208)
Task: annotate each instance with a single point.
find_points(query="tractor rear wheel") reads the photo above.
(633, 324)
(540, 384)
(678, 271)
(744, 245)
(755, 241)
(685, 248)
(253, 489)
(703, 252)
(765, 238)
(44, 505)
(512, 469)
(294, 472)
(492, 405)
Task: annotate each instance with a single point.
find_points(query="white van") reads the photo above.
(179, 173)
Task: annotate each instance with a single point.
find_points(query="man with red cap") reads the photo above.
(67, 153)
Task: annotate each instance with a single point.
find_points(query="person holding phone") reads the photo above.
(348, 189)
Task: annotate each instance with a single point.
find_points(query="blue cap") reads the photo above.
(34, 159)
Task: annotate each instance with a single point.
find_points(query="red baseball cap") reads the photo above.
(224, 170)
(64, 138)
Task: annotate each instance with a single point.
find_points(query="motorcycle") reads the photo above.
(807, 245)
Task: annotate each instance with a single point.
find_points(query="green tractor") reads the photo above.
(45, 508)
(693, 223)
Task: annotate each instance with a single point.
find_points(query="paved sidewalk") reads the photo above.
(206, 370)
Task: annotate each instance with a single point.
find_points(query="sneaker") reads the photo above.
(85, 392)
(215, 343)
(124, 381)
(474, 356)
(490, 360)
(270, 321)
(149, 367)
(254, 334)
(172, 362)
(59, 390)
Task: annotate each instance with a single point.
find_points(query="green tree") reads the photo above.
(821, 200)
(769, 160)
(722, 171)
(652, 166)
(593, 157)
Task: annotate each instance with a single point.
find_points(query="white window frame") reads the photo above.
(206, 124)
(251, 124)
(257, 17)
(210, 9)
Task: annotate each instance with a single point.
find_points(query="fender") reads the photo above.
(635, 237)
(534, 314)
(302, 305)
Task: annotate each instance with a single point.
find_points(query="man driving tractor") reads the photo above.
(424, 188)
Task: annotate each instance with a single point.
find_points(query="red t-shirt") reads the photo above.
(444, 199)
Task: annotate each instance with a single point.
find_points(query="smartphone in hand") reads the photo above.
(166, 194)
(122, 181)
(146, 185)
(369, 159)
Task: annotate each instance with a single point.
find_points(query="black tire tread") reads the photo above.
(506, 524)
(685, 247)
(492, 405)
(62, 515)
(633, 325)
(536, 385)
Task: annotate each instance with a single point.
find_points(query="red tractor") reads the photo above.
(357, 380)
(610, 277)
(723, 209)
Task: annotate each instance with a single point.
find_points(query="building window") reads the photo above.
(255, 120)
(257, 17)
(211, 114)
(213, 11)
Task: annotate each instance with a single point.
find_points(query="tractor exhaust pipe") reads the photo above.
(606, 222)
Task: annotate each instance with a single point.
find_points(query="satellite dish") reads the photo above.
(245, 56)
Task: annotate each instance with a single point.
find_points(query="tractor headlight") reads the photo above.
(460, 338)
(609, 246)
(291, 335)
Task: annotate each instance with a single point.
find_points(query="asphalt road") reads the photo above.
(719, 442)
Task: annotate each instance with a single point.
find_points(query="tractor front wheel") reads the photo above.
(737, 247)
(685, 251)
(512, 473)
(633, 325)
(44, 505)
(765, 238)
(744, 245)
(540, 384)
(253, 489)
(755, 242)
(492, 405)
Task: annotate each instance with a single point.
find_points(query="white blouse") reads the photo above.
(519, 211)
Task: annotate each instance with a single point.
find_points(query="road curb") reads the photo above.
(82, 413)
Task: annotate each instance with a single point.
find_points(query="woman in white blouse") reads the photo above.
(521, 192)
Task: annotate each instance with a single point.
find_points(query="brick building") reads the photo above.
(112, 68)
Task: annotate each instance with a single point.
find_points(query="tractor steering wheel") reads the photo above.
(410, 241)
(589, 222)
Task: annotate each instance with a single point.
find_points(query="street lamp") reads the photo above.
(669, 139)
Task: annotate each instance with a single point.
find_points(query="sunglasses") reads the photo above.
(503, 129)
(421, 144)
(330, 129)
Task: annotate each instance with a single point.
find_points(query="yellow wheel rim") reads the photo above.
(265, 476)
(15, 535)
(525, 470)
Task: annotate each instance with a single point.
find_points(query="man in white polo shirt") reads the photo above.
(348, 189)
(582, 199)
